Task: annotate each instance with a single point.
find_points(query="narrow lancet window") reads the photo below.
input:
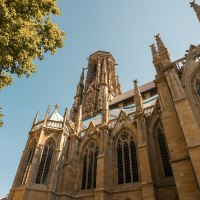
(84, 172)
(28, 162)
(89, 166)
(120, 164)
(164, 153)
(127, 159)
(45, 162)
(134, 162)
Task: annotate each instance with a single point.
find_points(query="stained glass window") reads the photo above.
(120, 164)
(89, 166)
(127, 159)
(45, 162)
(28, 162)
(134, 162)
(84, 172)
(164, 153)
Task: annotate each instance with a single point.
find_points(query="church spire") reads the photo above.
(162, 50)
(137, 98)
(196, 8)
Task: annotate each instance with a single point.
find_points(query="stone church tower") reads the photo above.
(143, 144)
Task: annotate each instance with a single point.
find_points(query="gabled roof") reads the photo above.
(55, 116)
(130, 93)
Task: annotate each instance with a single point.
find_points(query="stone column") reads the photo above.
(144, 163)
(102, 185)
(184, 176)
(67, 185)
(190, 128)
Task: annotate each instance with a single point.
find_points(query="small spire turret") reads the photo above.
(65, 116)
(47, 115)
(36, 118)
(137, 97)
(196, 8)
(162, 50)
(80, 86)
(78, 121)
(156, 59)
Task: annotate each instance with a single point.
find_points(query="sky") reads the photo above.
(125, 28)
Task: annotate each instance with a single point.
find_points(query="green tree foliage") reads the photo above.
(26, 33)
(1, 115)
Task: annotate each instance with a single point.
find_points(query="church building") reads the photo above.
(139, 145)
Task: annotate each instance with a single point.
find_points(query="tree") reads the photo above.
(26, 33)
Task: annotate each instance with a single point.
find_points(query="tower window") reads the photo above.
(45, 163)
(90, 166)
(28, 162)
(127, 159)
(164, 153)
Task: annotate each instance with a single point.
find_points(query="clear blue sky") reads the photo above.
(123, 27)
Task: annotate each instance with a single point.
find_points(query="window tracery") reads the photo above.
(28, 162)
(89, 165)
(163, 152)
(127, 159)
(45, 162)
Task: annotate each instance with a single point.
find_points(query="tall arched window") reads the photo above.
(127, 159)
(45, 162)
(28, 161)
(163, 152)
(90, 165)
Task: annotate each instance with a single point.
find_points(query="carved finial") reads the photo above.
(153, 50)
(47, 114)
(36, 118)
(65, 115)
(156, 59)
(162, 50)
(82, 76)
(78, 121)
(196, 8)
(137, 97)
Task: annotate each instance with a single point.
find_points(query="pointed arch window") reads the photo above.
(164, 152)
(28, 161)
(45, 162)
(90, 165)
(127, 159)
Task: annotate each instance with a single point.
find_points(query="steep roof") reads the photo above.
(130, 93)
(114, 113)
(55, 116)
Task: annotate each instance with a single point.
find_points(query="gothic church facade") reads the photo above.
(140, 145)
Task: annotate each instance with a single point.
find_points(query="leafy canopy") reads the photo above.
(26, 33)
